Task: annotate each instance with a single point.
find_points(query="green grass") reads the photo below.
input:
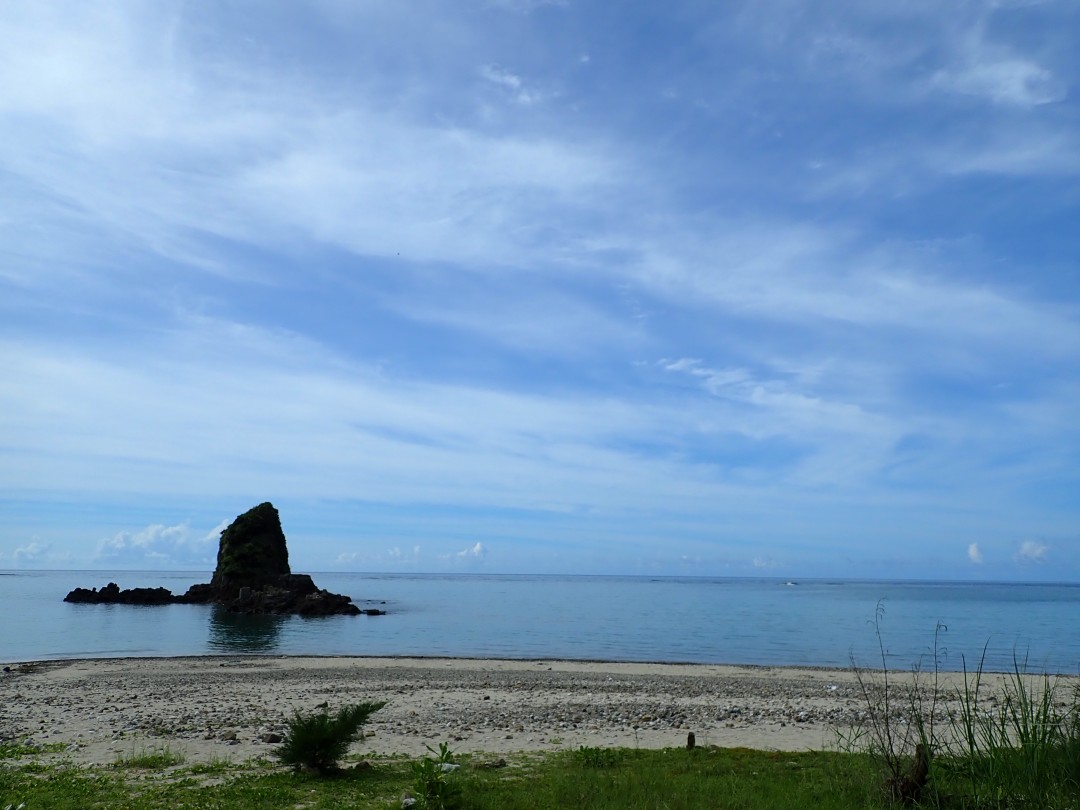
(677, 778)
(622, 778)
(597, 778)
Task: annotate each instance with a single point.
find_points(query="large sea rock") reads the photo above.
(252, 576)
(252, 551)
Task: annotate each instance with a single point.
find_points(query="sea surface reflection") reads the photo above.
(237, 633)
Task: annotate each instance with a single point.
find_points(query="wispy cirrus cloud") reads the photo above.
(512, 84)
(366, 253)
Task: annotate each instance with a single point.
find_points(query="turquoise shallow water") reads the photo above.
(702, 620)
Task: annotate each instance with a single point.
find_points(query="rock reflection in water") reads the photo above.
(236, 632)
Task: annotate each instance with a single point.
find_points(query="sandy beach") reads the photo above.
(230, 708)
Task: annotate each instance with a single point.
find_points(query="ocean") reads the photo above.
(767, 622)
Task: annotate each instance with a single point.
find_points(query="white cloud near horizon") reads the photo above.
(35, 552)
(160, 546)
(974, 554)
(477, 551)
(1032, 551)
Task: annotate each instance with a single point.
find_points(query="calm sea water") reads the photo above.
(702, 620)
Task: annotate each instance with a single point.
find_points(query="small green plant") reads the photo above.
(153, 759)
(433, 785)
(592, 757)
(17, 750)
(315, 742)
(217, 765)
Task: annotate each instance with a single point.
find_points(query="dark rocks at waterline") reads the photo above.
(112, 595)
(289, 593)
(273, 599)
(252, 577)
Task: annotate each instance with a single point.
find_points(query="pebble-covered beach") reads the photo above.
(237, 708)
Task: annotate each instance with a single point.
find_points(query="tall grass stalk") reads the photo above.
(1013, 744)
(1025, 749)
(898, 725)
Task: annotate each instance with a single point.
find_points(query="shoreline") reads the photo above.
(76, 659)
(210, 708)
(604, 662)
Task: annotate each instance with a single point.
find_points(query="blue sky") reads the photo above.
(751, 288)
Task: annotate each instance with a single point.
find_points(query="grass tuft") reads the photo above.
(150, 760)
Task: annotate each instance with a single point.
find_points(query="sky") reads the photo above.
(752, 288)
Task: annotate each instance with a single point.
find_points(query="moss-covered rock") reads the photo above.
(252, 551)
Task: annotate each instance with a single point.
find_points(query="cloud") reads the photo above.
(38, 553)
(391, 557)
(975, 554)
(518, 314)
(477, 552)
(1008, 81)
(159, 545)
(511, 83)
(790, 405)
(257, 156)
(523, 6)
(33, 552)
(471, 557)
(1031, 551)
(991, 70)
(367, 264)
(397, 554)
(214, 535)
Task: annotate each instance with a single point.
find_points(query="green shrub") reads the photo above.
(433, 785)
(315, 742)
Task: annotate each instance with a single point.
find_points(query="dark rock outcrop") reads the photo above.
(252, 551)
(112, 595)
(252, 577)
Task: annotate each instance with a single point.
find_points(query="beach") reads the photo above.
(232, 708)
